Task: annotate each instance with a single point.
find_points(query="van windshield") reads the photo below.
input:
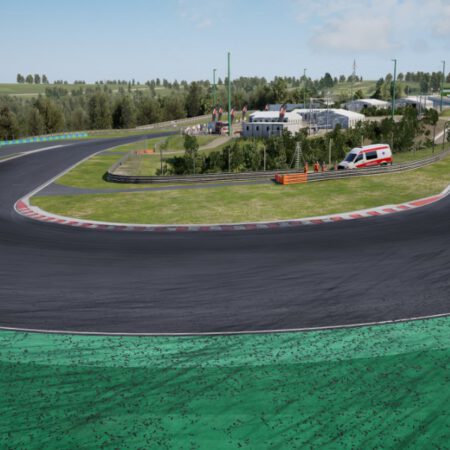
(350, 157)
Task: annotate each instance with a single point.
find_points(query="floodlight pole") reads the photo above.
(393, 93)
(229, 94)
(304, 88)
(214, 88)
(442, 84)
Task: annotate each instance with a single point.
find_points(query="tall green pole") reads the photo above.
(214, 88)
(304, 88)
(442, 83)
(229, 94)
(393, 93)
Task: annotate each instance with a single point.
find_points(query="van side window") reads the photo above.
(371, 155)
(359, 158)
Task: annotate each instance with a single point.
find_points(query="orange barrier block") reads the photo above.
(148, 151)
(291, 178)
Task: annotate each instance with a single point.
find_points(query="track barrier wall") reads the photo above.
(56, 137)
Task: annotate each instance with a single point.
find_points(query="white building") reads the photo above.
(319, 119)
(270, 123)
(360, 104)
(417, 101)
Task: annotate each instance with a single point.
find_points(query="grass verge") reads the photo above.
(252, 203)
(373, 387)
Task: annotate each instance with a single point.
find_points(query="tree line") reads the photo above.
(32, 79)
(120, 104)
(279, 152)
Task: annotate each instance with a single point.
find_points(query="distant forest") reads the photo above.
(123, 104)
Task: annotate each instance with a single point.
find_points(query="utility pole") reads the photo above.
(160, 156)
(393, 93)
(304, 88)
(229, 94)
(353, 79)
(214, 88)
(442, 83)
(329, 152)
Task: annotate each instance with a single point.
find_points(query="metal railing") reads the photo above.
(267, 175)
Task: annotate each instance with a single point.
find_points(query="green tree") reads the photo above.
(99, 111)
(37, 79)
(279, 89)
(35, 123)
(173, 107)
(20, 78)
(51, 113)
(9, 127)
(29, 79)
(194, 100)
(44, 79)
(148, 111)
(124, 113)
(79, 120)
(432, 118)
(191, 147)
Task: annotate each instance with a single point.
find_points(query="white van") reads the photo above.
(367, 156)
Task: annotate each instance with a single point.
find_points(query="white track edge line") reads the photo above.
(225, 333)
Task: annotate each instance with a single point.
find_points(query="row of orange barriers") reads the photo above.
(291, 178)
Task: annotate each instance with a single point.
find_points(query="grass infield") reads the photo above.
(372, 387)
(250, 203)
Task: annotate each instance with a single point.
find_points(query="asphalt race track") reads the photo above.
(68, 279)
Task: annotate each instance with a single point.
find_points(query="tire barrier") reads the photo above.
(56, 137)
(115, 177)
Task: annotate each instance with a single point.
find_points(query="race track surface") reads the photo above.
(67, 279)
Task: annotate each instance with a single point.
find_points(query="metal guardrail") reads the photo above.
(153, 126)
(267, 175)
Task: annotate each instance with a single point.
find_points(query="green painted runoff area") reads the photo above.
(371, 387)
(244, 203)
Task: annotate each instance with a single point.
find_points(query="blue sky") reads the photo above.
(186, 39)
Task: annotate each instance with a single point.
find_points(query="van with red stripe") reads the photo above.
(367, 156)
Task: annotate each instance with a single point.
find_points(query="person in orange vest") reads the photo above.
(324, 166)
(306, 168)
(220, 113)
(316, 166)
(214, 115)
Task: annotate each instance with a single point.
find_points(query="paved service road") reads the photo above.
(63, 278)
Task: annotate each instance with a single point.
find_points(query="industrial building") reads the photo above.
(319, 119)
(271, 123)
(417, 101)
(360, 104)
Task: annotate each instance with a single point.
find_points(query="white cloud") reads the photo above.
(196, 12)
(374, 25)
(354, 36)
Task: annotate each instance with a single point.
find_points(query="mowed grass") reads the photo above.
(382, 387)
(90, 173)
(26, 89)
(252, 203)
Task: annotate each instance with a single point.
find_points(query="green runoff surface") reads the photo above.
(251, 203)
(371, 387)
(90, 173)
